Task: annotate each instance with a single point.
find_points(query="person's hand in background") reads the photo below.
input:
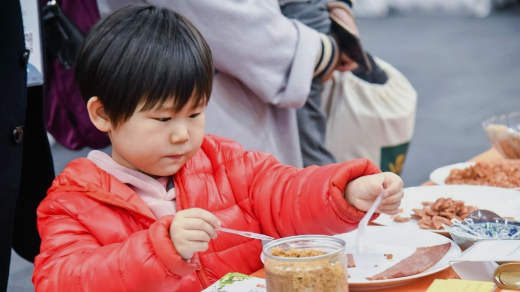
(346, 64)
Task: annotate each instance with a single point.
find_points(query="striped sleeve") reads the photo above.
(328, 57)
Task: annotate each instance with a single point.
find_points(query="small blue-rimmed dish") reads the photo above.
(466, 233)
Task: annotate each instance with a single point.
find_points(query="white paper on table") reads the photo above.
(236, 282)
(478, 262)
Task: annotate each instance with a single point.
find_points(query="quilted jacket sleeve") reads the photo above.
(290, 201)
(73, 259)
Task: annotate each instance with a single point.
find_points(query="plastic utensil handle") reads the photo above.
(364, 222)
(246, 234)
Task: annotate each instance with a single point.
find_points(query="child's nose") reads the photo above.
(180, 135)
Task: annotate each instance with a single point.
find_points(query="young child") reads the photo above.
(146, 218)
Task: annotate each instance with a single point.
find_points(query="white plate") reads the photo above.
(504, 202)
(400, 243)
(439, 175)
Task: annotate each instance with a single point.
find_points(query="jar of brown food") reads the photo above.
(306, 263)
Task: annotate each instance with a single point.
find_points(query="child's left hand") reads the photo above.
(362, 192)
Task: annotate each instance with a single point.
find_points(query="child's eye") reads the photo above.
(194, 115)
(163, 119)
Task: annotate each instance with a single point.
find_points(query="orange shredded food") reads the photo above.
(505, 174)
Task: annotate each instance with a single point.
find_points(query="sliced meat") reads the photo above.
(350, 260)
(422, 259)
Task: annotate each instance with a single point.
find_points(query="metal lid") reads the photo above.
(508, 276)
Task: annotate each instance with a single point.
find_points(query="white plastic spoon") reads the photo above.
(246, 234)
(364, 222)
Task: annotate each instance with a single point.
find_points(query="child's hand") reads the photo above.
(191, 230)
(362, 192)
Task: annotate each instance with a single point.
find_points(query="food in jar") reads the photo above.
(320, 273)
(504, 173)
(506, 140)
(421, 260)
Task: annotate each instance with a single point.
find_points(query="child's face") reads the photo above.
(158, 142)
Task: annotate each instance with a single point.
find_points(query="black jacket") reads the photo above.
(26, 169)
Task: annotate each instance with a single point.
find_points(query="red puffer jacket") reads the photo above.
(98, 235)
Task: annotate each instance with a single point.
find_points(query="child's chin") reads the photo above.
(169, 171)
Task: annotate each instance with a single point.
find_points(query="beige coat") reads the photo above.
(264, 66)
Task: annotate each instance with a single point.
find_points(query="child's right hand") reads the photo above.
(191, 230)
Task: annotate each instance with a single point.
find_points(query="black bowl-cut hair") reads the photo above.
(144, 55)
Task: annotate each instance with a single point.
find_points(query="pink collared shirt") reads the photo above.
(152, 191)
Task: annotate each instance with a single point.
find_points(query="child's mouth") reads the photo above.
(179, 156)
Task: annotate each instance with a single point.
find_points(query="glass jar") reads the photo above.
(317, 273)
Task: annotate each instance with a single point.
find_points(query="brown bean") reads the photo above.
(448, 215)
(424, 226)
(459, 203)
(437, 204)
(437, 224)
(419, 212)
(446, 204)
(430, 212)
(400, 219)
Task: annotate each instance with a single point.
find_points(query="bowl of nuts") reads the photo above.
(503, 133)
(434, 215)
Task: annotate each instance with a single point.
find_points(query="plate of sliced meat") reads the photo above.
(428, 207)
(396, 256)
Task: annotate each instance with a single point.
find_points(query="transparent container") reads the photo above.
(320, 273)
(504, 134)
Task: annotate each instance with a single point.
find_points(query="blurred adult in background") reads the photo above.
(312, 122)
(264, 64)
(26, 169)
(312, 119)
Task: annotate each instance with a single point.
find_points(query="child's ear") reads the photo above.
(96, 112)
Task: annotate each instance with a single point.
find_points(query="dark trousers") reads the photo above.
(36, 177)
(312, 121)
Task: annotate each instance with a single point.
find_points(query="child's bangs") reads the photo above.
(152, 57)
(189, 85)
(183, 69)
